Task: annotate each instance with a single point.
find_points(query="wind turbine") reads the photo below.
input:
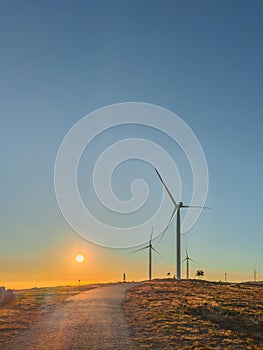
(187, 259)
(177, 207)
(255, 275)
(150, 246)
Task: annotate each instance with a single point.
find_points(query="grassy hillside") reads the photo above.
(196, 315)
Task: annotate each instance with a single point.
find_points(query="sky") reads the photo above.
(60, 61)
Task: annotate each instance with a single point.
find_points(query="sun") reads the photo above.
(79, 258)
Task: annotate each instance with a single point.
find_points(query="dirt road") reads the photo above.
(91, 320)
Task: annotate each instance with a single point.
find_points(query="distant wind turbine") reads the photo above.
(255, 275)
(176, 211)
(187, 259)
(150, 246)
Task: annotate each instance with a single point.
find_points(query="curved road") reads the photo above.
(91, 320)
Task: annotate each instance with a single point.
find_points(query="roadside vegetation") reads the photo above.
(196, 314)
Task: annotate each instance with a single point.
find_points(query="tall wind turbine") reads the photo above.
(150, 246)
(176, 211)
(187, 259)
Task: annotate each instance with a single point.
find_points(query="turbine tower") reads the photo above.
(255, 275)
(225, 277)
(187, 259)
(176, 211)
(150, 246)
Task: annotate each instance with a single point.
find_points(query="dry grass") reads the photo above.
(30, 306)
(196, 315)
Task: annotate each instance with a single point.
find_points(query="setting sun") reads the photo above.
(79, 258)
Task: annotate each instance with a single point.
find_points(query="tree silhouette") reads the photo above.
(200, 274)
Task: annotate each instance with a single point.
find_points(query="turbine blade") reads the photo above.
(194, 206)
(163, 233)
(173, 215)
(151, 234)
(137, 250)
(157, 252)
(167, 190)
(169, 222)
(194, 261)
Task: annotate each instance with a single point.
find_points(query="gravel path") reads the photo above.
(91, 320)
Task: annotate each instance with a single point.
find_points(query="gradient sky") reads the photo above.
(61, 60)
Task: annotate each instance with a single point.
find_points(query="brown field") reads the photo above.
(30, 306)
(196, 315)
(163, 314)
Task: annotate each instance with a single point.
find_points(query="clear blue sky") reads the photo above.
(61, 60)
